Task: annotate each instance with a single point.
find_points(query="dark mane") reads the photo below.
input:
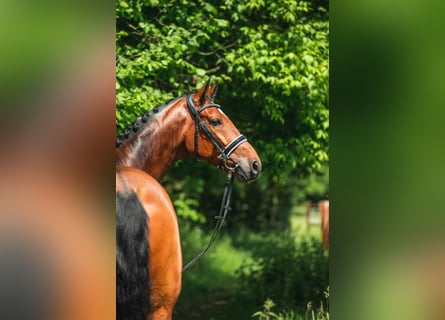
(142, 120)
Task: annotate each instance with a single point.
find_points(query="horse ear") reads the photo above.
(200, 96)
(213, 90)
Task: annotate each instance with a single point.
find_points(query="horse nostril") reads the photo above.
(255, 167)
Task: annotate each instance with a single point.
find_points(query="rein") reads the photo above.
(220, 218)
(224, 156)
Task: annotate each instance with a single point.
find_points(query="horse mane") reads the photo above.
(142, 121)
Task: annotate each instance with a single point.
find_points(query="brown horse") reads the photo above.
(188, 126)
(323, 207)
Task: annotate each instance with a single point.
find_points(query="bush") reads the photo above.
(268, 314)
(291, 272)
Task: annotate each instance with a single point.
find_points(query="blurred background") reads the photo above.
(57, 128)
(271, 61)
(386, 157)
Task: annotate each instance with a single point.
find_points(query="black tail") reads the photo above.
(132, 254)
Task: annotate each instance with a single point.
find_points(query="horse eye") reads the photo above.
(215, 122)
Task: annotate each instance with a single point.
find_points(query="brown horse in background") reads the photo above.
(149, 259)
(323, 207)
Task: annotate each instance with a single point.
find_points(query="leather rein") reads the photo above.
(220, 218)
(224, 156)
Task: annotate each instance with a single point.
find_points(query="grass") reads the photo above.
(268, 312)
(210, 289)
(298, 224)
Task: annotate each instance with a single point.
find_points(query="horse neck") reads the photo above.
(161, 142)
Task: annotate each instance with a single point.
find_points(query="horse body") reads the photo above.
(184, 127)
(324, 214)
(165, 260)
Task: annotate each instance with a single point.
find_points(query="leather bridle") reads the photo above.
(224, 156)
(224, 151)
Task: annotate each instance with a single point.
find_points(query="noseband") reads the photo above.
(224, 152)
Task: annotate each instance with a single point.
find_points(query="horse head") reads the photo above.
(215, 139)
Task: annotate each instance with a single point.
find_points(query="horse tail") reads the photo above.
(132, 257)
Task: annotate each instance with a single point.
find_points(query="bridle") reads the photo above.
(224, 151)
(220, 218)
(224, 156)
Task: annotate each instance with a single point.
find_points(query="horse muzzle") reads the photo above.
(247, 172)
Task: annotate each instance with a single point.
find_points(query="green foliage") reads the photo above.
(267, 314)
(315, 186)
(186, 208)
(291, 272)
(214, 271)
(214, 288)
